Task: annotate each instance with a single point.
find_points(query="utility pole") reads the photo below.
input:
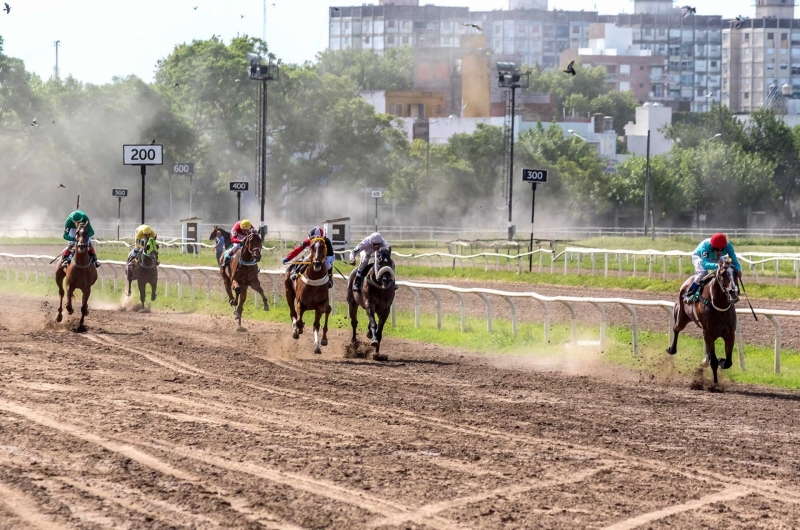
(647, 186)
(263, 73)
(264, 24)
(55, 69)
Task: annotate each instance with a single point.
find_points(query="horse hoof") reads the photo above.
(725, 364)
(70, 310)
(380, 357)
(232, 302)
(706, 362)
(369, 333)
(236, 315)
(672, 351)
(324, 342)
(295, 335)
(375, 344)
(128, 293)
(59, 318)
(317, 350)
(153, 298)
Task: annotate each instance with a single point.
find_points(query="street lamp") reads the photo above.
(718, 135)
(509, 76)
(576, 134)
(263, 73)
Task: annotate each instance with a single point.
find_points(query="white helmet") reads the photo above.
(376, 238)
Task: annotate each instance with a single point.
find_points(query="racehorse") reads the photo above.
(376, 297)
(144, 270)
(225, 234)
(310, 292)
(243, 273)
(81, 274)
(713, 312)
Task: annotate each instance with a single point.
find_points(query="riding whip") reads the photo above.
(748, 299)
(340, 273)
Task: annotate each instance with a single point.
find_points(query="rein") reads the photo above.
(711, 297)
(246, 247)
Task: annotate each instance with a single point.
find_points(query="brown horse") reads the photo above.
(244, 274)
(81, 274)
(376, 297)
(310, 291)
(713, 312)
(144, 270)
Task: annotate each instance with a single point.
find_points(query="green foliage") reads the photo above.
(370, 71)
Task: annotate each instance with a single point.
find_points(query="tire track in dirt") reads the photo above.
(26, 509)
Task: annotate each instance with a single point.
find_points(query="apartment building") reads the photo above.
(628, 66)
(764, 52)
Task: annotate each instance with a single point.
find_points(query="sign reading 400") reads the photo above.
(143, 155)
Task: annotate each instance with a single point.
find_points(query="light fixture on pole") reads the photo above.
(263, 73)
(509, 76)
(573, 133)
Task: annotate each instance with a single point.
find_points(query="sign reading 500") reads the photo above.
(142, 155)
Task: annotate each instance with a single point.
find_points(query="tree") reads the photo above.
(689, 130)
(393, 70)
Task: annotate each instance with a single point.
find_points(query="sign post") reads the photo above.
(181, 168)
(119, 193)
(376, 194)
(534, 176)
(239, 187)
(143, 155)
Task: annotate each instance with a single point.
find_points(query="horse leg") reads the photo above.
(241, 296)
(129, 277)
(86, 292)
(711, 355)
(379, 333)
(317, 317)
(70, 294)
(325, 324)
(727, 362)
(256, 286)
(353, 319)
(297, 321)
(154, 287)
(142, 290)
(60, 283)
(681, 321)
(373, 328)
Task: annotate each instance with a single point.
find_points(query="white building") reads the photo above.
(649, 117)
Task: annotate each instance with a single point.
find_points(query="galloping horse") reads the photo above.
(376, 297)
(244, 274)
(225, 234)
(310, 291)
(81, 274)
(144, 270)
(713, 312)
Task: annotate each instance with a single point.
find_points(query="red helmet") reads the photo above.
(719, 241)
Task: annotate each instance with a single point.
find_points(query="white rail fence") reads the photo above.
(173, 274)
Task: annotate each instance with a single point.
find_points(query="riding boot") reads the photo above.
(357, 282)
(330, 279)
(690, 292)
(65, 258)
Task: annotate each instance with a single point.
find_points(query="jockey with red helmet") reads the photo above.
(239, 232)
(315, 233)
(706, 258)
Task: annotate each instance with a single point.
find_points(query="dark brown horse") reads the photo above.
(310, 292)
(714, 312)
(243, 273)
(81, 274)
(144, 270)
(376, 297)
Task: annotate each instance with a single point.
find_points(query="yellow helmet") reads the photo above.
(245, 224)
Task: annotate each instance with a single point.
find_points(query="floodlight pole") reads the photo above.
(511, 162)
(144, 173)
(264, 74)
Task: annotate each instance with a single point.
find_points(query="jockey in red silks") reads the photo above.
(239, 232)
(315, 233)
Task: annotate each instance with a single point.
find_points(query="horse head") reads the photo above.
(82, 238)
(318, 253)
(150, 247)
(214, 233)
(726, 277)
(252, 244)
(384, 268)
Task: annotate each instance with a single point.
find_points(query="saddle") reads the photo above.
(698, 293)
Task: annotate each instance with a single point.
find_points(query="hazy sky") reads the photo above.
(104, 38)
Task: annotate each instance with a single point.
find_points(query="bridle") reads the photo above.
(382, 271)
(254, 253)
(718, 282)
(316, 261)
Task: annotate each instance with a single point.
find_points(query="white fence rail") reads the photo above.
(173, 274)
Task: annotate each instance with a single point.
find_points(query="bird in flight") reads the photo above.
(195, 8)
(34, 123)
(60, 186)
(739, 22)
(688, 10)
(7, 9)
(570, 68)
(176, 85)
(242, 16)
(472, 26)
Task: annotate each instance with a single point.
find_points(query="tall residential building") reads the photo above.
(764, 52)
(628, 66)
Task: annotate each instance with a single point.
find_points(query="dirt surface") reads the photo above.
(155, 420)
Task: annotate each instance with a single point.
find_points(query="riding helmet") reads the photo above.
(719, 241)
(245, 224)
(316, 232)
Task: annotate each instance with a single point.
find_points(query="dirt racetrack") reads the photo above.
(161, 420)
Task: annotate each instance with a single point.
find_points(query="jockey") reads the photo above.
(70, 230)
(706, 258)
(143, 233)
(239, 232)
(315, 233)
(367, 248)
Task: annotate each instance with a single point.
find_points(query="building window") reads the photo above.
(392, 23)
(713, 64)
(396, 109)
(784, 67)
(662, 32)
(406, 24)
(390, 39)
(747, 95)
(746, 36)
(576, 30)
(521, 28)
(346, 26)
(406, 40)
(641, 68)
(770, 36)
(498, 30)
(701, 92)
(641, 85)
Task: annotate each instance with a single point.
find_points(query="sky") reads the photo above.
(101, 39)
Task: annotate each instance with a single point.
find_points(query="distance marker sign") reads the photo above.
(119, 192)
(182, 168)
(239, 186)
(534, 175)
(143, 155)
